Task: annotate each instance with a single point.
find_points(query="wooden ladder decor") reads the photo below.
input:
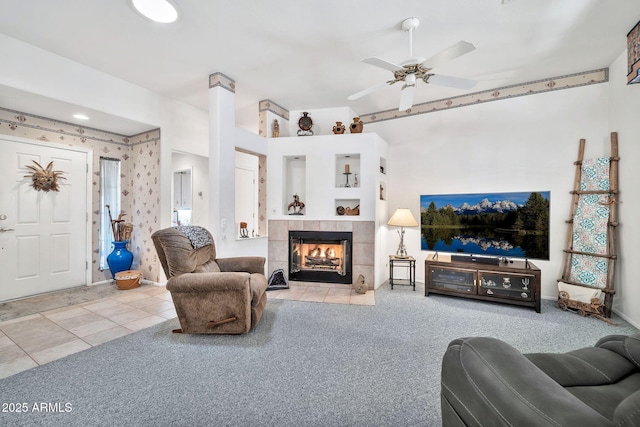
(589, 260)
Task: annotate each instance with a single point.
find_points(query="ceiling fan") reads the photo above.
(415, 67)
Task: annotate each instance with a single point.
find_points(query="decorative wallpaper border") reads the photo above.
(15, 119)
(219, 79)
(569, 81)
(144, 137)
(264, 106)
(530, 88)
(268, 105)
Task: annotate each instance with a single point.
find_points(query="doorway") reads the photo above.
(189, 189)
(44, 243)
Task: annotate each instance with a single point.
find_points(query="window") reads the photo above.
(109, 196)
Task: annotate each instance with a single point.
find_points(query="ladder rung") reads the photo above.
(610, 224)
(605, 290)
(615, 159)
(594, 192)
(609, 256)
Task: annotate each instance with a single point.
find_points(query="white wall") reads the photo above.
(37, 71)
(522, 144)
(623, 119)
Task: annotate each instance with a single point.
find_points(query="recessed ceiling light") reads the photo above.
(157, 10)
(81, 116)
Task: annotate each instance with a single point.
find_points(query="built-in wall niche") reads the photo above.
(348, 170)
(347, 207)
(295, 185)
(383, 165)
(250, 194)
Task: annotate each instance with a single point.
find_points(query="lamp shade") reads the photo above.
(403, 218)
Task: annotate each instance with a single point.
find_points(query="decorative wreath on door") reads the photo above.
(44, 179)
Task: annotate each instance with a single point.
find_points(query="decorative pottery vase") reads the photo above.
(339, 128)
(120, 259)
(356, 126)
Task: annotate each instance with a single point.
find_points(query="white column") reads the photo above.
(221, 158)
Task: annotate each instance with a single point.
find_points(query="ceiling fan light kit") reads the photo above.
(416, 67)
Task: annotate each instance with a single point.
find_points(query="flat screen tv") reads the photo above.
(511, 225)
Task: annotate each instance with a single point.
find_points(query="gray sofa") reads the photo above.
(211, 295)
(487, 382)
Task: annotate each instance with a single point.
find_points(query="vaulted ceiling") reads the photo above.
(307, 54)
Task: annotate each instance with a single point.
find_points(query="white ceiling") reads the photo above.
(306, 54)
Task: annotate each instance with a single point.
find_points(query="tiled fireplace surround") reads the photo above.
(363, 250)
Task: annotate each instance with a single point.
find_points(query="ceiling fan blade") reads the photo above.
(367, 91)
(449, 53)
(456, 82)
(406, 98)
(379, 62)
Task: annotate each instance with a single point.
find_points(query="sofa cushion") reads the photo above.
(590, 366)
(606, 398)
(176, 253)
(627, 346)
(208, 267)
(627, 413)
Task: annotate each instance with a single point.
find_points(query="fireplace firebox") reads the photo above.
(320, 256)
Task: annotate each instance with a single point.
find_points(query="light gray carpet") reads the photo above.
(305, 364)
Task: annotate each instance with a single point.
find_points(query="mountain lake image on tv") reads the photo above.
(512, 225)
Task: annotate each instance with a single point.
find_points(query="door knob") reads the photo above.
(3, 217)
(4, 230)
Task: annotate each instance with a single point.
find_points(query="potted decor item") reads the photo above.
(339, 128)
(356, 126)
(120, 259)
(305, 124)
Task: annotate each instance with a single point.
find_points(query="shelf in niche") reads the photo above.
(348, 171)
(383, 165)
(295, 172)
(347, 205)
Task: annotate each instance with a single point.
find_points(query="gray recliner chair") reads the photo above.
(486, 382)
(211, 295)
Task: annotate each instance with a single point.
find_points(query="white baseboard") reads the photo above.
(102, 282)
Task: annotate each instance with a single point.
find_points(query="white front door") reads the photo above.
(43, 235)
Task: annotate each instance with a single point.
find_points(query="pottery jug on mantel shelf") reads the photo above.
(339, 128)
(356, 126)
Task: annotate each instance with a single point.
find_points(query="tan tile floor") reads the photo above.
(33, 340)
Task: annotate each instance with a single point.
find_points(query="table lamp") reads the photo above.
(402, 217)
